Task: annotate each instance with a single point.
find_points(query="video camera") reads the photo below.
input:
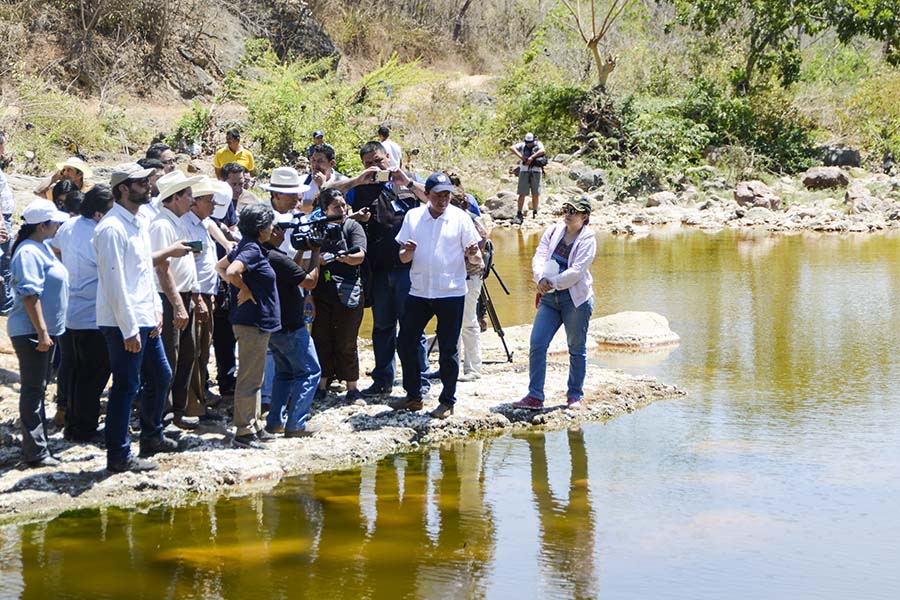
(312, 233)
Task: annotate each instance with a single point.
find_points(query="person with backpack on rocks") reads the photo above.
(532, 159)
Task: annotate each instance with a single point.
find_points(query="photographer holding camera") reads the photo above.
(339, 297)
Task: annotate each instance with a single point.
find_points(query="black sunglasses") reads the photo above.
(571, 211)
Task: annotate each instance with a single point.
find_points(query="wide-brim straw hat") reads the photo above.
(174, 182)
(220, 191)
(76, 163)
(285, 180)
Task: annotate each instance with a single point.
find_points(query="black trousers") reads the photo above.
(224, 345)
(34, 370)
(89, 359)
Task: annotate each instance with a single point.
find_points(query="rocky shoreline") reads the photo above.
(823, 199)
(351, 435)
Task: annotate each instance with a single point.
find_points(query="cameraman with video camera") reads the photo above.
(339, 297)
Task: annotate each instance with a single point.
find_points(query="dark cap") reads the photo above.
(582, 204)
(438, 182)
(318, 133)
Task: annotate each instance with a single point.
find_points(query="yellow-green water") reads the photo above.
(777, 477)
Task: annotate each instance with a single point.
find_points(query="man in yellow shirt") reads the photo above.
(233, 152)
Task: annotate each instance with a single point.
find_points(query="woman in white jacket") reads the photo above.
(562, 271)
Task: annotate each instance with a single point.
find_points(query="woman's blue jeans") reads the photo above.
(555, 309)
(296, 379)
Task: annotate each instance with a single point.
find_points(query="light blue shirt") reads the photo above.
(35, 271)
(74, 242)
(205, 260)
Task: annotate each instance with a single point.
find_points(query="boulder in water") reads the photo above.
(633, 329)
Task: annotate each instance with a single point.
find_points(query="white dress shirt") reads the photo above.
(127, 297)
(73, 240)
(166, 229)
(205, 261)
(438, 266)
(395, 154)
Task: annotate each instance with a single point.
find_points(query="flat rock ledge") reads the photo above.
(633, 330)
(351, 435)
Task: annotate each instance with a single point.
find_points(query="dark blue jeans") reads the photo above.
(554, 310)
(419, 311)
(389, 293)
(34, 369)
(296, 379)
(129, 369)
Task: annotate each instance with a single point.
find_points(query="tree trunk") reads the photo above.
(605, 67)
(460, 18)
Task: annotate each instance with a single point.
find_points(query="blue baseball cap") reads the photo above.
(439, 182)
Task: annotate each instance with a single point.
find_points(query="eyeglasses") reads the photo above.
(571, 211)
(171, 161)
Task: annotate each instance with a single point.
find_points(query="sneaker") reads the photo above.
(307, 431)
(519, 218)
(265, 436)
(133, 464)
(47, 461)
(157, 446)
(573, 403)
(320, 395)
(534, 214)
(274, 430)
(409, 403)
(442, 411)
(248, 440)
(469, 377)
(530, 403)
(353, 396)
(376, 390)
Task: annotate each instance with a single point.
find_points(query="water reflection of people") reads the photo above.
(566, 528)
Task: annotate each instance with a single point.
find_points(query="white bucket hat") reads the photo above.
(220, 191)
(41, 211)
(174, 182)
(76, 163)
(285, 180)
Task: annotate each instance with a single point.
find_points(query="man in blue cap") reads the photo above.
(446, 238)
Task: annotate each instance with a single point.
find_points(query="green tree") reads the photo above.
(773, 29)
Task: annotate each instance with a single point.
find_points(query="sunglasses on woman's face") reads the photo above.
(571, 211)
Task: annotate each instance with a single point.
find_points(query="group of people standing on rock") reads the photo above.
(142, 279)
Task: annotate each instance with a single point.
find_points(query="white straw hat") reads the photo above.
(285, 180)
(174, 182)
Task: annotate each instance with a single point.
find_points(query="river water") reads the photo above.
(776, 477)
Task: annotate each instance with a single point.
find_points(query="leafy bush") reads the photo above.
(765, 122)
(195, 125)
(873, 114)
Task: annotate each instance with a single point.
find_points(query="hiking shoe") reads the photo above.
(274, 430)
(47, 461)
(265, 436)
(133, 464)
(320, 395)
(310, 429)
(530, 403)
(534, 214)
(473, 376)
(186, 423)
(248, 440)
(519, 218)
(353, 396)
(163, 444)
(409, 403)
(376, 390)
(573, 402)
(442, 411)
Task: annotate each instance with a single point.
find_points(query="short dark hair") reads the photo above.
(151, 163)
(62, 188)
(254, 218)
(72, 202)
(156, 150)
(384, 130)
(325, 149)
(232, 168)
(98, 199)
(327, 197)
(370, 147)
(233, 133)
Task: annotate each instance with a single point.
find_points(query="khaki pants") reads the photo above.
(252, 344)
(202, 340)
